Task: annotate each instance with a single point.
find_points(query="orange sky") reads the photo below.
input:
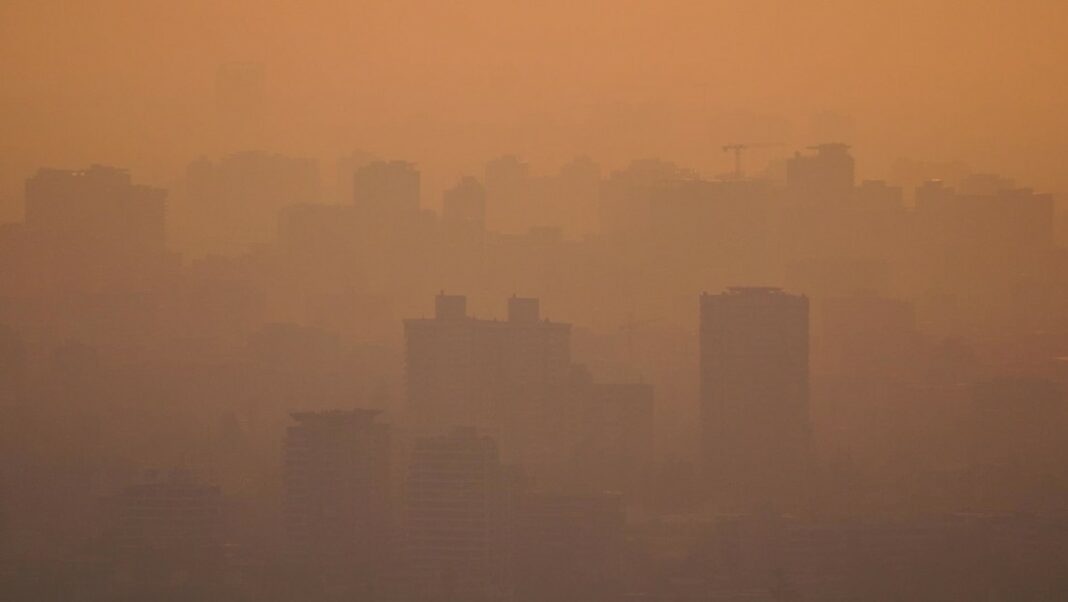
(449, 83)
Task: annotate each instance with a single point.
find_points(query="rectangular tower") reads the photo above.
(337, 494)
(498, 375)
(385, 191)
(754, 394)
(457, 513)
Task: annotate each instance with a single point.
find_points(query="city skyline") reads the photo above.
(401, 301)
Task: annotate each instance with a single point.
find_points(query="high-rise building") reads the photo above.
(172, 518)
(346, 167)
(984, 215)
(1014, 435)
(232, 204)
(988, 244)
(385, 191)
(464, 205)
(754, 379)
(457, 501)
(827, 175)
(867, 337)
(94, 229)
(509, 194)
(337, 466)
(569, 547)
(613, 450)
(487, 373)
(12, 366)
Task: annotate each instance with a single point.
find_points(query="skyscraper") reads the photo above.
(613, 449)
(170, 520)
(754, 394)
(94, 229)
(385, 191)
(232, 204)
(457, 514)
(509, 194)
(464, 205)
(337, 494)
(487, 373)
(569, 547)
(828, 175)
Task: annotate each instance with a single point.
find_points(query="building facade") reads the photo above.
(754, 388)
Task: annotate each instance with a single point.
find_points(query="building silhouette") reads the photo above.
(510, 194)
(170, 512)
(613, 449)
(337, 495)
(827, 175)
(569, 547)
(464, 205)
(498, 375)
(385, 192)
(754, 392)
(169, 527)
(458, 500)
(232, 204)
(93, 230)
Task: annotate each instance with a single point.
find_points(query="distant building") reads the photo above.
(170, 519)
(13, 363)
(232, 204)
(1015, 444)
(510, 194)
(868, 337)
(386, 191)
(754, 388)
(614, 428)
(337, 487)
(346, 167)
(464, 205)
(569, 547)
(987, 214)
(828, 175)
(457, 501)
(493, 374)
(629, 196)
(93, 229)
(991, 246)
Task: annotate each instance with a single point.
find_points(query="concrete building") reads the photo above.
(464, 205)
(337, 494)
(827, 175)
(91, 230)
(569, 547)
(232, 204)
(613, 451)
(500, 375)
(457, 502)
(754, 390)
(385, 191)
(170, 519)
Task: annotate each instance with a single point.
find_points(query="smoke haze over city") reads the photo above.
(521, 302)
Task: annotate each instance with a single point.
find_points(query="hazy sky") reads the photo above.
(449, 83)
